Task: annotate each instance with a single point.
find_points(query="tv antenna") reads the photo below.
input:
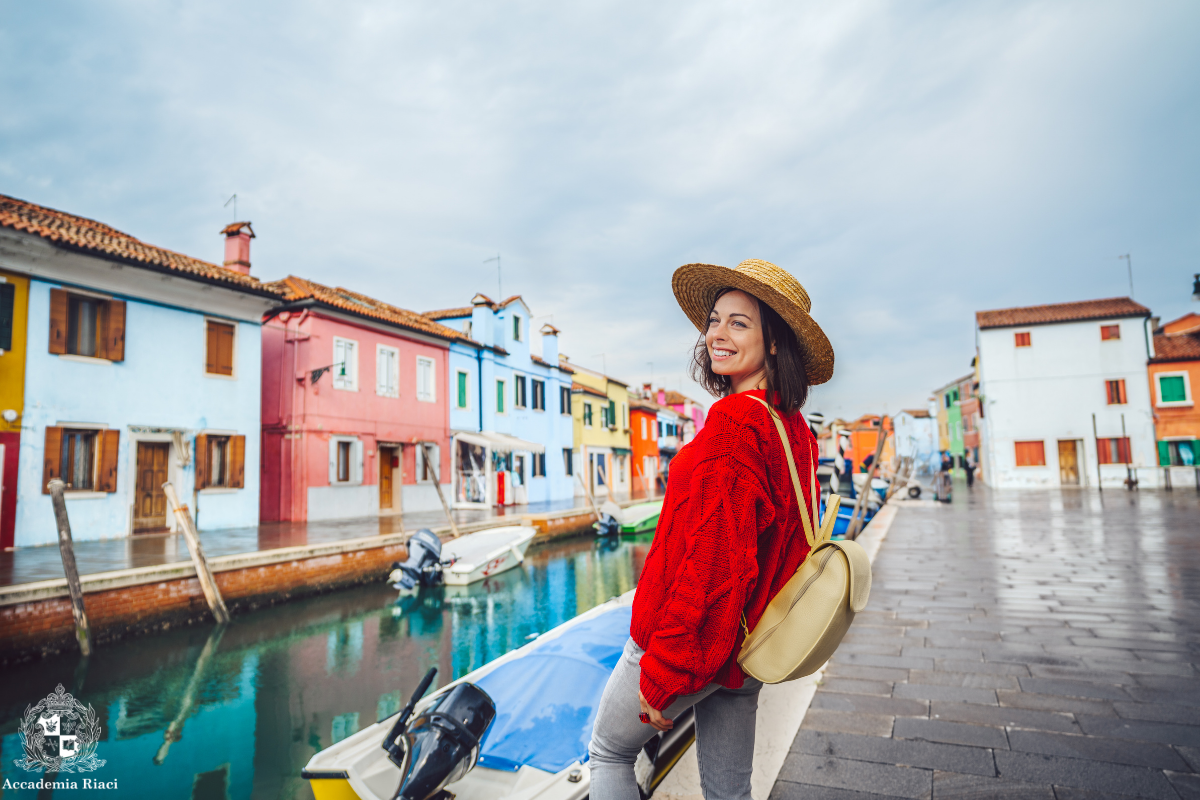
(1129, 261)
(234, 201)
(499, 282)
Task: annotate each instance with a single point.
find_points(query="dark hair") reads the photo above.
(787, 380)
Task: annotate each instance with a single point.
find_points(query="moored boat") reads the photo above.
(484, 553)
(641, 517)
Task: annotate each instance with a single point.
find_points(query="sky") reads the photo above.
(910, 162)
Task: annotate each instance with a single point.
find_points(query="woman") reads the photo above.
(729, 535)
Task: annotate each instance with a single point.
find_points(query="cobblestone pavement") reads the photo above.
(1018, 644)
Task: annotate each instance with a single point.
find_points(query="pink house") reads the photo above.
(689, 409)
(352, 390)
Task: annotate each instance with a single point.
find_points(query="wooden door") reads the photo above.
(150, 503)
(1068, 463)
(386, 456)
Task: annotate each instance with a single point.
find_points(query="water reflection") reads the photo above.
(236, 712)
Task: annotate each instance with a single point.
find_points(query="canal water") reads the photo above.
(236, 713)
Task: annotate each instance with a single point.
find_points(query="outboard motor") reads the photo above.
(424, 564)
(607, 526)
(442, 744)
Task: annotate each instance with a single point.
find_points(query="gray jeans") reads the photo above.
(724, 734)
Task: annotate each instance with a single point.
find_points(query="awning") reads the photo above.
(499, 442)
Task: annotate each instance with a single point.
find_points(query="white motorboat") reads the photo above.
(479, 555)
(539, 704)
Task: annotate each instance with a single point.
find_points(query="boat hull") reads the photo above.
(475, 563)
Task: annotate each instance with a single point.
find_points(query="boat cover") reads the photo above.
(546, 701)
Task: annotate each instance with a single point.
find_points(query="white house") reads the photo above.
(916, 436)
(1066, 396)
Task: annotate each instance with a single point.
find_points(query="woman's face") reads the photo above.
(735, 340)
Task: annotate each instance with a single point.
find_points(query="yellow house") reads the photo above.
(14, 312)
(600, 410)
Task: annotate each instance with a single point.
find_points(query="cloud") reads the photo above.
(910, 163)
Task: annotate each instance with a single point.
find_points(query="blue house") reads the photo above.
(510, 410)
(143, 366)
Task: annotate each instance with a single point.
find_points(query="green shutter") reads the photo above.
(1164, 455)
(612, 412)
(1171, 389)
(499, 397)
(8, 294)
(462, 390)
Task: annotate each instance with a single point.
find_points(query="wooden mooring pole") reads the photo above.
(66, 549)
(437, 484)
(209, 586)
(856, 523)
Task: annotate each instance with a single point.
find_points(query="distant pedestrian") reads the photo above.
(969, 466)
(727, 534)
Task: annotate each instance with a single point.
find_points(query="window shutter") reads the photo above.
(1164, 455)
(59, 310)
(357, 464)
(223, 357)
(200, 455)
(380, 371)
(237, 462)
(210, 348)
(52, 457)
(106, 477)
(333, 455)
(114, 331)
(8, 296)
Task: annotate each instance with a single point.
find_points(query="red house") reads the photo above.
(352, 389)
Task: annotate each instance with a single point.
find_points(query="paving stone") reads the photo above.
(1186, 685)
(870, 704)
(917, 691)
(1003, 717)
(885, 661)
(1186, 784)
(1191, 755)
(1140, 645)
(821, 719)
(787, 790)
(853, 686)
(969, 680)
(1073, 688)
(839, 670)
(862, 776)
(936, 730)
(1188, 735)
(923, 754)
(1084, 774)
(977, 787)
(963, 654)
(1136, 666)
(982, 667)
(1072, 793)
(1141, 754)
(1052, 702)
(1083, 673)
(1158, 712)
(869, 648)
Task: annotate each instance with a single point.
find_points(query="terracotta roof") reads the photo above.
(579, 387)
(677, 399)
(1110, 308)
(448, 313)
(638, 402)
(296, 289)
(545, 363)
(919, 413)
(1186, 324)
(1176, 347)
(96, 238)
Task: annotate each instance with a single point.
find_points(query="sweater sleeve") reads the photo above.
(728, 507)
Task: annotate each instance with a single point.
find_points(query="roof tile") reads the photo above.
(1109, 308)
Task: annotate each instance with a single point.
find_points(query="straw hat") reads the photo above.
(696, 286)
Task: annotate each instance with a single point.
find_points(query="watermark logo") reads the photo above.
(59, 735)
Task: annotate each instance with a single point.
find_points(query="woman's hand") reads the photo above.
(654, 715)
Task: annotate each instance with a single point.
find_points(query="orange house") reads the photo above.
(1174, 376)
(643, 444)
(864, 438)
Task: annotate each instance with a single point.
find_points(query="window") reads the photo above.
(1022, 339)
(84, 325)
(387, 371)
(345, 364)
(603, 416)
(1031, 454)
(612, 414)
(499, 397)
(645, 429)
(1113, 451)
(1178, 454)
(461, 399)
(660, 429)
(1110, 332)
(429, 470)
(8, 302)
(516, 328)
(220, 461)
(1173, 389)
(621, 469)
(564, 399)
(569, 460)
(539, 465)
(426, 377)
(539, 394)
(1116, 392)
(86, 459)
(219, 348)
(625, 415)
(519, 386)
(343, 461)
(587, 415)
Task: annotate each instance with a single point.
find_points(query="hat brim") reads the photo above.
(696, 287)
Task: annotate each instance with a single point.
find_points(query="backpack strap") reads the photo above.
(811, 531)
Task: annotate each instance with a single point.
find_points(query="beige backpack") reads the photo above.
(805, 622)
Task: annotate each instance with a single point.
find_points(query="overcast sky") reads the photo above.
(910, 163)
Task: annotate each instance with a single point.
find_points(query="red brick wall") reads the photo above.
(32, 630)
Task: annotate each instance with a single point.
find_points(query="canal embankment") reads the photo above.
(36, 617)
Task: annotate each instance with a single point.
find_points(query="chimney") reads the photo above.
(647, 391)
(662, 397)
(550, 343)
(237, 246)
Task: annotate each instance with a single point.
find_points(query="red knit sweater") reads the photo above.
(728, 538)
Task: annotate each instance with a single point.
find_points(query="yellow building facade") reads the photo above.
(600, 411)
(14, 316)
